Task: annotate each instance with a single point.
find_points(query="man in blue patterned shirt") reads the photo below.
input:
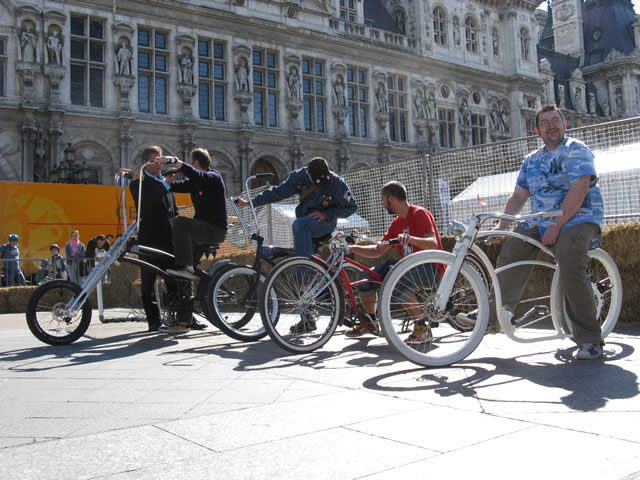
(558, 176)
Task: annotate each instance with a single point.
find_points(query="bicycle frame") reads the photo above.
(465, 237)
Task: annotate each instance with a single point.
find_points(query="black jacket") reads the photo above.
(158, 206)
(208, 194)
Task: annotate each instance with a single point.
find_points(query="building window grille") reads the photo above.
(153, 70)
(212, 79)
(396, 90)
(439, 26)
(348, 10)
(471, 34)
(314, 94)
(478, 129)
(447, 120)
(358, 99)
(87, 61)
(265, 87)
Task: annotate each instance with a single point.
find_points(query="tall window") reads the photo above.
(478, 129)
(531, 126)
(524, 43)
(265, 88)
(348, 10)
(397, 108)
(313, 88)
(398, 17)
(439, 26)
(447, 120)
(212, 79)
(153, 70)
(3, 66)
(87, 61)
(471, 34)
(358, 97)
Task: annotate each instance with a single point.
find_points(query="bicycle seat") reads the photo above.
(319, 241)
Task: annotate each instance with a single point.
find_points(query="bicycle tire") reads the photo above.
(475, 263)
(607, 289)
(285, 303)
(49, 299)
(448, 345)
(231, 300)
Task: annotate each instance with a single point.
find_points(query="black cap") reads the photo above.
(100, 237)
(318, 169)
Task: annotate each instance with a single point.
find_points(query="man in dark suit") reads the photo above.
(158, 207)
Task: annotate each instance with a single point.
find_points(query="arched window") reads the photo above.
(398, 17)
(265, 165)
(524, 43)
(471, 34)
(439, 26)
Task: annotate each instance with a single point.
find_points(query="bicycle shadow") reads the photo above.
(85, 351)
(590, 384)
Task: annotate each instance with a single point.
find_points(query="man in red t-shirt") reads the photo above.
(416, 229)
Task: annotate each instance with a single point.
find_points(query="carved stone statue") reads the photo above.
(456, 31)
(28, 41)
(186, 69)
(242, 76)
(577, 99)
(506, 122)
(338, 90)
(430, 106)
(560, 101)
(495, 120)
(419, 103)
(464, 114)
(495, 42)
(592, 103)
(293, 84)
(619, 102)
(382, 102)
(123, 60)
(54, 48)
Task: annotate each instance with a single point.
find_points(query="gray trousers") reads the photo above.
(190, 231)
(570, 250)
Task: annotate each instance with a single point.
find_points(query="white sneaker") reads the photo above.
(589, 351)
(469, 319)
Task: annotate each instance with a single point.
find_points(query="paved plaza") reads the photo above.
(124, 404)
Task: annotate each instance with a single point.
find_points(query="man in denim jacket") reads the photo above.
(324, 198)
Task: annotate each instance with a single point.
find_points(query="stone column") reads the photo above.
(55, 133)
(29, 132)
(126, 137)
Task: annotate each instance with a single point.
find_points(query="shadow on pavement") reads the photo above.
(590, 384)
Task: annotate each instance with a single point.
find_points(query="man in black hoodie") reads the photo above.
(208, 195)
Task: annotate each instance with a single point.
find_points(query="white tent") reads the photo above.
(619, 180)
(276, 220)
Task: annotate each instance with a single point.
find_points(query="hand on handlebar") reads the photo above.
(496, 239)
(241, 202)
(167, 160)
(402, 239)
(129, 172)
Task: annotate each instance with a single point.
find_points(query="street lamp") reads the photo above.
(69, 171)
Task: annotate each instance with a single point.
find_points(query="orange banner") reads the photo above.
(46, 213)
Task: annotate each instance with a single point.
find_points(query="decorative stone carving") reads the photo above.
(456, 31)
(54, 48)
(464, 119)
(123, 59)
(592, 103)
(382, 101)
(619, 102)
(495, 42)
(185, 63)
(125, 84)
(28, 41)
(294, 89)
(242, 82)
(55, 74)
(560, 99)
(294, 85)
(339, 108)
(382, 107)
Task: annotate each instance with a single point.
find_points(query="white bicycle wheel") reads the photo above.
(408, 296)
(607, 291)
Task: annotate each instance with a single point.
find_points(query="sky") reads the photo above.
(636, 5)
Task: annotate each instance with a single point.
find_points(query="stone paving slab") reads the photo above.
(127, 404)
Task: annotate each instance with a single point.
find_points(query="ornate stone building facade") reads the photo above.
(264, 85)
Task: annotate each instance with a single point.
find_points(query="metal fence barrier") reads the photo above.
(455, 184)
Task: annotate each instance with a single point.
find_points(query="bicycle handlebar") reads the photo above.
(520, 218)
(350, 239)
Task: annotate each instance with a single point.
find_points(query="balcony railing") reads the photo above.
(368, 33)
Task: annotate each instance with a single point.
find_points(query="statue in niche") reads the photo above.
(495, 120)
(577, 99)
(123, 59)
(28, 41)
(54, 48)
(619, 102)
(592, 102)
(293, 84)
(419, 103)
(465, 114)
(382, 102)
(560, 101)
(430, 106)
(495, 42)
(242, 76)
(456, 31)
(506, 122)
(186, 69)
(338, 90)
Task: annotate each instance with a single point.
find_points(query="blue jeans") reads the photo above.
(305, 229)
(13, 275)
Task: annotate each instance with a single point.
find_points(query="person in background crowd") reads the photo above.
(75, 252)
(55, 266)
(10, 252)
(98, 244)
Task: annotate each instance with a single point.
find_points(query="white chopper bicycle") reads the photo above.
(467, 279)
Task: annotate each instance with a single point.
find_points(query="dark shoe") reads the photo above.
(153, 326)
(589, 351)
(195, 325)
(305, 325)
